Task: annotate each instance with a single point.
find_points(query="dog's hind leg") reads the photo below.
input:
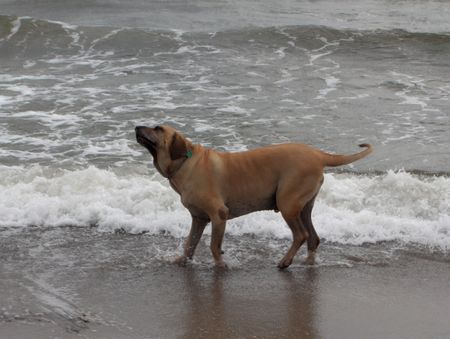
(295, 201)
(291, 214)
(313, 239)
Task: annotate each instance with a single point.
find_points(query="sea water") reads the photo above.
(73, 85)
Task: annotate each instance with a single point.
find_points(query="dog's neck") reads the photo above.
(176, 165)
(173, 169)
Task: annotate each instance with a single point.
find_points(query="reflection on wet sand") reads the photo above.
(300, 304)
(205, 316)
(218, 306)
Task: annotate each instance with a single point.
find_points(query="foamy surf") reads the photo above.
(350, 209)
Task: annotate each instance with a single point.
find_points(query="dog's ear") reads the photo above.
(178, 147)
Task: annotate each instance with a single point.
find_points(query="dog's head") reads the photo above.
(166, 145)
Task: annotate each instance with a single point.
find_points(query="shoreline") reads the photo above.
(75, 283)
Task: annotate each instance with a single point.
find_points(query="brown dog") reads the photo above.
(217, 186)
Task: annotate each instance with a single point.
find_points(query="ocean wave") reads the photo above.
(350, 209)
(43, 37)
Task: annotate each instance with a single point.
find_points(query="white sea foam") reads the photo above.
(12, 78)
(120, 147)
(314, 57)
(106, 37)
(88, 197)
(233, 109)
(414, 90)
(15, 27)
(23, 90)
(280, 52)
(4, 100)
(350, 209)
(331, 82)
(196, 50)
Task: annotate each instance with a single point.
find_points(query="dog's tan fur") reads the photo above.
(217, 186)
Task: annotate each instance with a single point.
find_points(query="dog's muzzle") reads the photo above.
(145, 136)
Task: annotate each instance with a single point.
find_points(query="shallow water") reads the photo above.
(71, 282)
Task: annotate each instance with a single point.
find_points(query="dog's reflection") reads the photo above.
(300, 294)
(232, 304)
(206, 316)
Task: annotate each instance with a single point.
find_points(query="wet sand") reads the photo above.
(72, 283)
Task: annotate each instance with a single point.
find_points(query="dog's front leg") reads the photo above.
(197, 228)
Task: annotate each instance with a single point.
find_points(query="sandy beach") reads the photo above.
(72, 283)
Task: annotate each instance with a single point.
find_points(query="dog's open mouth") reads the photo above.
(145, 137)
(145, 142)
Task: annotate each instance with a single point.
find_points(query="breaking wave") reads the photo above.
(350, 209)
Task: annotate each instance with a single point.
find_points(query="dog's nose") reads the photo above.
(139, 129)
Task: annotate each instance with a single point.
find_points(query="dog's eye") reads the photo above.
(159, 128)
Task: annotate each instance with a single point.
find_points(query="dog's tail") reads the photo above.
(333, 160)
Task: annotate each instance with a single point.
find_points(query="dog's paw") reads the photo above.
(221, 265)
(284, 263)
(310, 259)
(180, 260)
